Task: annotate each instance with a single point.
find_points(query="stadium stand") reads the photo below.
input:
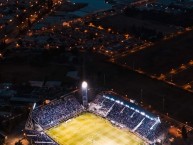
(39, 137)
(129, 115)
(56, 111)
(118, 111)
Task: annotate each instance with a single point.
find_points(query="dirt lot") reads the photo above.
(183, 77)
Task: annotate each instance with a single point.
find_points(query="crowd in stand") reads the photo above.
(149, 128)
(39, 137)
(56, 111)
(52, 114)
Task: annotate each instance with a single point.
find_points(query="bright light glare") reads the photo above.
(34, 106)
(84, 85)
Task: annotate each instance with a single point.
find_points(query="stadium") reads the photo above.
(107, 120)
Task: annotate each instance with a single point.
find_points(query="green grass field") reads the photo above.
(89, 129)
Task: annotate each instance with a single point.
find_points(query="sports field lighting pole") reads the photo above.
(141, 97)
(163, 104)
(84, 93)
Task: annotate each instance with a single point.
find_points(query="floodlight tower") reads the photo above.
(84, 94)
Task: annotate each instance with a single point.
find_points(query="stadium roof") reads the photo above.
(131, 105)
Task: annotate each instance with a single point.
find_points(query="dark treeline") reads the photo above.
(184, 19)
(145, 33)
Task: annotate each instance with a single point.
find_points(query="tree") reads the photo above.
(18, 143)
(29, 23)
(50, 3)
(20, 42)
(1, 77)
(184, 133)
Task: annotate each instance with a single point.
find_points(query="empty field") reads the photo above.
(163, 56)
(183, 77)
(123, 23)
(89, 129)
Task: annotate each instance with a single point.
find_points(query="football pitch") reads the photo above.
(89, 129)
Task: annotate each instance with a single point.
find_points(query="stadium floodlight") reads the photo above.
(84, 85)
(34, 106)
(84, 93)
